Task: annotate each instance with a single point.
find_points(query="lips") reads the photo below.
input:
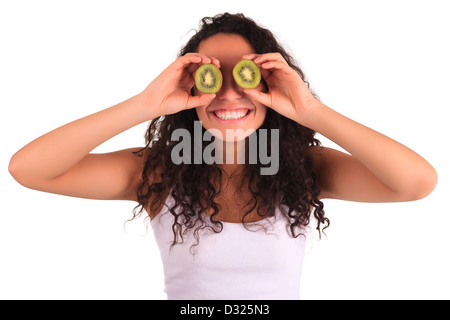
(231, 114)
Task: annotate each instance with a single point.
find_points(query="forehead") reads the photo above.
(225, 46)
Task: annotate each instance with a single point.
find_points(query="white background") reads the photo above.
(382, 63)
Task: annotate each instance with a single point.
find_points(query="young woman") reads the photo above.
(224, 229)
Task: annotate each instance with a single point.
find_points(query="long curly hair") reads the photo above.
(195, 187)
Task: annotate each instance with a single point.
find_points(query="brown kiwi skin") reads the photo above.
(217, 76)
(238, 77)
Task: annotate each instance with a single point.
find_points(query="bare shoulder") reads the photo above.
(324, 162)
(126, 166)
(322, 156)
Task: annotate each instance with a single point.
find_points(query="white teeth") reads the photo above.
(227, 115)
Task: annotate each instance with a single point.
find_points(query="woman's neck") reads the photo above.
(234, 157)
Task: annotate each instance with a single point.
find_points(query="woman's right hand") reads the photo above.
(61, 161)
(170, 92)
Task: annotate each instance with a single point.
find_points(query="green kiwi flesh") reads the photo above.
(208, 78)
(247, 74)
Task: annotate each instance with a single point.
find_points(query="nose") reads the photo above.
(230, 90)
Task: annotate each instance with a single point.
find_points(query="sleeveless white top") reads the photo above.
(235, 264)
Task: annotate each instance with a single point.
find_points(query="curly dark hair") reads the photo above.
(195, 187)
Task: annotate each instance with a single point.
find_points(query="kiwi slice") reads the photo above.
(247, 74)
(208, 78)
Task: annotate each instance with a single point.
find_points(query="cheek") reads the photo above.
(261, 113)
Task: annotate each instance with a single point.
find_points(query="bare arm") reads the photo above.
(377, 168)
(60, 161)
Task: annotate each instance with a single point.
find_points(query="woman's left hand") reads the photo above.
(287, 93)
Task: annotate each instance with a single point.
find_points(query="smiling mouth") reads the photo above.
(231, 114)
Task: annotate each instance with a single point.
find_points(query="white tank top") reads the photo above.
(235, 264)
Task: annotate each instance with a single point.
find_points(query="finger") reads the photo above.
(258, 96)
(216, 62)
(273, 56)
(190, 58)
(182, 63)
(187, 59)
(199, 101)
(275, 65)
(254, 56)
(250, 56)
(205, 59)
(192, 68)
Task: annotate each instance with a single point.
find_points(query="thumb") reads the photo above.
(199, 101)
(258, 96)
